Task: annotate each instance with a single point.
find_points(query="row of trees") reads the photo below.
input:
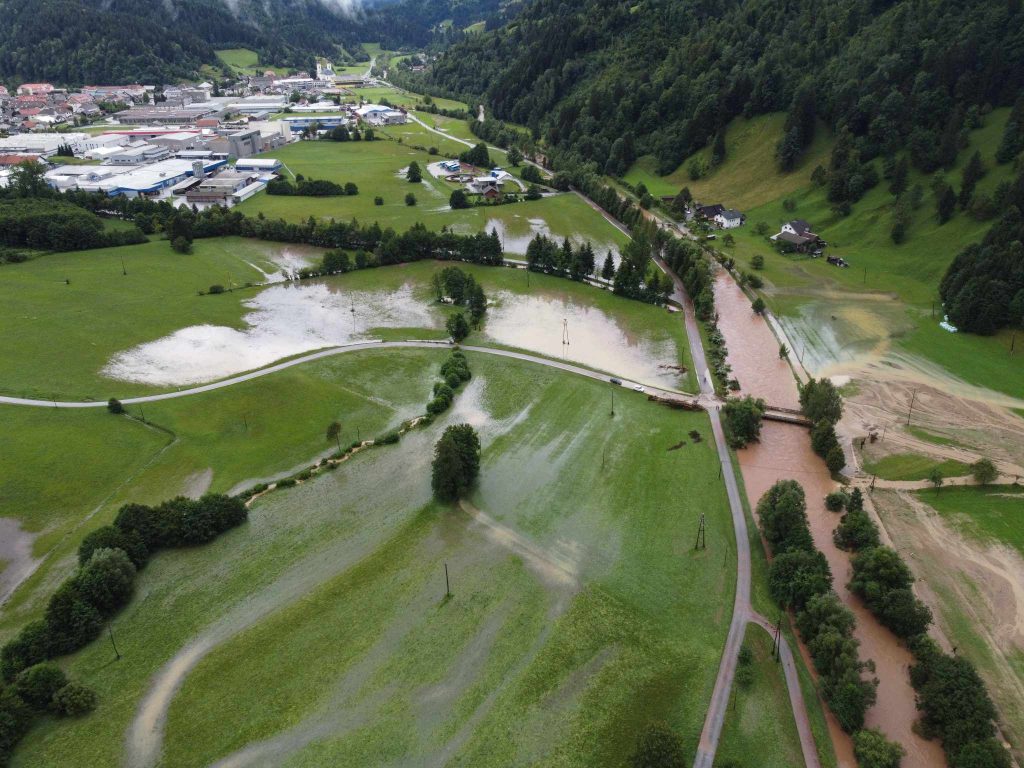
(800, 578)
(310, 187)
(454, 373)
(822, 404)
(952, 698)
(544, 255)
(462, 290)
(53, 225)
(108, 560)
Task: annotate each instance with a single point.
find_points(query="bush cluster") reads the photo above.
(800, 578)
(310, 187)
(821, 403)
(454, 373)
(108, 560)
(38, 690)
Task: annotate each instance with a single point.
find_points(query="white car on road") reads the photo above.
(637, 388)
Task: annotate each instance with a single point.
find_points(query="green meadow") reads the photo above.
(989, 514)
(578, 609)
(913, 466)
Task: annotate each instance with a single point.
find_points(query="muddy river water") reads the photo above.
(785, 453)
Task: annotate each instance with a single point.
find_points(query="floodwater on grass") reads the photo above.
(286, 261)
(284, 320)
(16, 561)
(542, 323)
(516, 232)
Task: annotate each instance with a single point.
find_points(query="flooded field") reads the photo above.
(293, 318)
(284, 320)
(280, 264)
(517, 231)
(543, 323)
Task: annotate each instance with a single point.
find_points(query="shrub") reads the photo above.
(74, 700)
(71, 621)
(37, 685)
(378, 200)
(31, 646)
(114, 406)
(984, 471)
(856, 531)
(835, 459)
(388, 438)
(410, 199)
(15, 719)
(181, 245)
(872, 750)
(112, 537)
(106, 581)
(215, 289)
(836, 500)
(458, 200)
(351, 189)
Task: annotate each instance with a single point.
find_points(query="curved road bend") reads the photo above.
(362, 345)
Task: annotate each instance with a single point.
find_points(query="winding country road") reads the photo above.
(331, 352)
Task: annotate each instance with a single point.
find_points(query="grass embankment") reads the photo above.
(520, 663)
(759, 728)
(244, 61)
(56, 336)
(838, 312)
(990, 514)
(914, 466)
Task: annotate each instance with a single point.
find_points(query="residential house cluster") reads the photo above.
(719, 215)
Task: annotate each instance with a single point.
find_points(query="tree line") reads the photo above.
(955, 706)
(821, 403)
(310, 187)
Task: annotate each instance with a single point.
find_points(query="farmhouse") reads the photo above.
(797, 235)
(709, 211)
(729, 219)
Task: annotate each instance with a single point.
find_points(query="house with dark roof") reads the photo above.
(709, 211)
(797, 235)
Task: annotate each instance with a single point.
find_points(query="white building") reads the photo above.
(103, 141)
(45, 144)
(728, 219)
(376, 114)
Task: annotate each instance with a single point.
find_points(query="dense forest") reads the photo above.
(152, 41)
(159, 41)
(604, 81)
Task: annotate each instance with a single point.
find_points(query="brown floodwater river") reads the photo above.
(785, 453)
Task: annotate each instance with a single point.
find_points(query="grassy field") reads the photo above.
(750, 175)
(375, 168)
(759, 728)
(246, 62)
(991, 514)
(400, 98)
(579, 611)
(55, 336)
(912, 466)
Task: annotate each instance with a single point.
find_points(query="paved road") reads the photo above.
(743, 613)
(358, 346)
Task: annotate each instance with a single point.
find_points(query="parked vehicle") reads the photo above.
(637, 388)
(613, 380)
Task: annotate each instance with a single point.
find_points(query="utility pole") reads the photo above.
(701, 543)
(565, 332)
(613, 400)
(117, 653)
(1013, 341)
(124, 269)
(245, 421)
(777, 642)
(447, 586)
(865, 275)
(913, 397)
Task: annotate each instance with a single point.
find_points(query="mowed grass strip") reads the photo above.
(913, 466)
(640, 640)
(760, 720)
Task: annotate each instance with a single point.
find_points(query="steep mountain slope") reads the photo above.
(608, 80)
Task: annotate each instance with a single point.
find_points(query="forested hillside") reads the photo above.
(605, 81)
(87, 41)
